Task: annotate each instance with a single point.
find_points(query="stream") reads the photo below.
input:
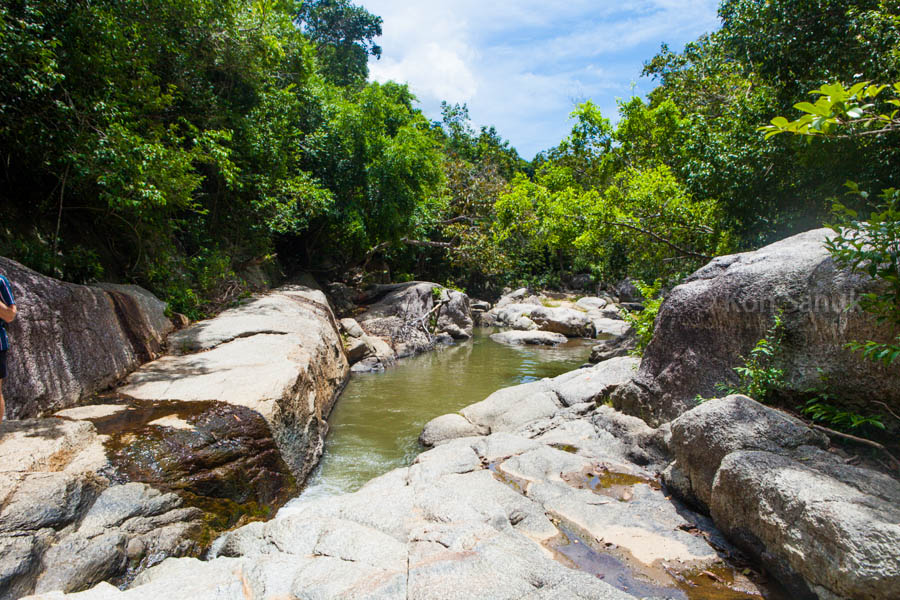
(375, 425)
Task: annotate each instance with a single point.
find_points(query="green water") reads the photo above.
(377, 421)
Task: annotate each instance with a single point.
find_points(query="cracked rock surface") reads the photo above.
(484, 516)
(63, 527)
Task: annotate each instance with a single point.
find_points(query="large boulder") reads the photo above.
(554, 319)
(70, 341)
(826, 529)
(279, 355)
(719, 313)
(410, 316)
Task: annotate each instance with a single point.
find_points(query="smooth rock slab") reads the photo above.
(532, 338)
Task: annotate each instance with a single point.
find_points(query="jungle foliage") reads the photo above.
(180, 144)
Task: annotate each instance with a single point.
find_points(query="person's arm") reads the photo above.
(7, 312)
(7, 304)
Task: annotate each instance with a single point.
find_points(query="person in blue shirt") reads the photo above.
(7, 314)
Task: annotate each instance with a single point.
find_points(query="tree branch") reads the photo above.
(858, 440)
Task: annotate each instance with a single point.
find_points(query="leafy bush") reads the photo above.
(760, 376)
(872, 246)
(643, 321)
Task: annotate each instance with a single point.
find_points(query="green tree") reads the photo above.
(344, 36)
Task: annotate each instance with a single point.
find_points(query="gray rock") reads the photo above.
(823, 528)
(512, 298)
(356, 349)
(534, 338)
(596, 383)
(352, 328)
(279, 355)
(567, 321)
(34, 501)
(720, 312)
(615, 347)
(448, 427)
(836, 526)
(20, 562)
(77, 562)
(481, 305)
(523, 323)
(73, 340)
(611, 327)
(408, 315)
(510, 408)
(702, 437)
(342, 298)
(589, 303)
(628, 292)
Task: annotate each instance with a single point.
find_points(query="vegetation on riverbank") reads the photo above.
(183, 144)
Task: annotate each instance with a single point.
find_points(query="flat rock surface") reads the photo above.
(533, 338)
(504, 516)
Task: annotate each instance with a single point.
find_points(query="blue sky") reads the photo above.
(522, 65)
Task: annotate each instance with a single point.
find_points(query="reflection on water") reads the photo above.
(376, 424)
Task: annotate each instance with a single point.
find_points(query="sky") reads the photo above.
(523, 65)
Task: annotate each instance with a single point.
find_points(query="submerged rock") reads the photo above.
(719, 313)
(73, 340)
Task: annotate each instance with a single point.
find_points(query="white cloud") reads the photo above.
(522, 64)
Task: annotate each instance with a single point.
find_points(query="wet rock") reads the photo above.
(220, 456)
(410, 314)
(534, 338)
(72, 340)
(720, 312)
(279, 355)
